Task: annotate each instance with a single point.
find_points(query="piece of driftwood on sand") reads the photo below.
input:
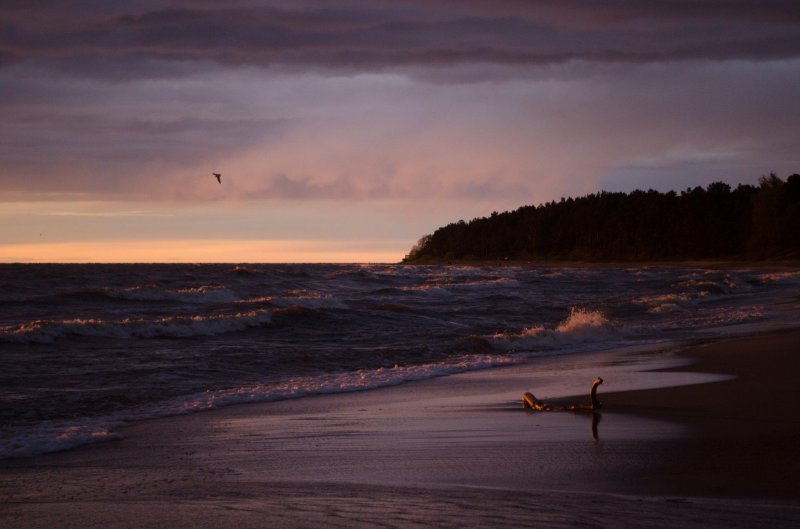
(530, 401)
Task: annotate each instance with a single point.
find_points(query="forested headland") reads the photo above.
(718, 222)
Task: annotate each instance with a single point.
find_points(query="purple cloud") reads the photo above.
(368, 36)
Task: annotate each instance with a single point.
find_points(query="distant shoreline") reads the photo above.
(715, 223)
(555, 263)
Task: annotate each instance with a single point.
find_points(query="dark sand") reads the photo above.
(748, 428)
(457, 452)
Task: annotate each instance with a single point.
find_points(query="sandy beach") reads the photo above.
(460, 451)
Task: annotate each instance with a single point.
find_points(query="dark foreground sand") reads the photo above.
(458, 452)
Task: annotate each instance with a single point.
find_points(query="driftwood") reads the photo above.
(530, 401)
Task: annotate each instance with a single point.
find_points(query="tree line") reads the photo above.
(718, 222)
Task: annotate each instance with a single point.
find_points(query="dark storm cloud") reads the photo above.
(143, 97)
(583, 12)
(379, 35)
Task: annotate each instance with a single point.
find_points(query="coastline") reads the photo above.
(780, 264)
(747, 429)
(458, 450)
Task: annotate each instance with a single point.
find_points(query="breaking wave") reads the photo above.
(53, 436)
(296, 330)
(359, 380)
(580, 326)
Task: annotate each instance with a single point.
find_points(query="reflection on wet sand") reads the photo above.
(529, 401)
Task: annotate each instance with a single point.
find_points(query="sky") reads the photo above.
(345, 131)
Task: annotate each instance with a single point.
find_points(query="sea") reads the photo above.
(86, 349)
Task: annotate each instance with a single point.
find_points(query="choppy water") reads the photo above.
(86, 348)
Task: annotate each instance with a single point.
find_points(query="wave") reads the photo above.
(690, 289)
(718, 317)
(365, 274)
(53, 436)
(447, 288)
(389, 291)
(360, 380)
(420, 313)
(198, 295)
(48, 331)
(664, 302)
(779, 277)
(313, 301)
(581, 320)
(708, 282)
(256, 301)
(580, 326)
(203, 294)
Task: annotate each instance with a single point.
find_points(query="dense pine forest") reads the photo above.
(718, 222)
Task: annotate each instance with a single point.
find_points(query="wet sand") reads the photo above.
(747, 430)
(458, 452)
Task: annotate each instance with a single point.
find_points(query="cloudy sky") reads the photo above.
(346, 130)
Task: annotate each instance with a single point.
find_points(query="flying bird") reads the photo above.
(218, 176)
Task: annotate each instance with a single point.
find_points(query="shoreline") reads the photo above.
(442, 448)
(747, 429)
(784, 264)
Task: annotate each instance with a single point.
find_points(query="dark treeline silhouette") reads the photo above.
(717, 222)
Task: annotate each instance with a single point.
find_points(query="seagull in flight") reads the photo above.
(218, 176)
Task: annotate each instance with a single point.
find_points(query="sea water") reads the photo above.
(85, 349)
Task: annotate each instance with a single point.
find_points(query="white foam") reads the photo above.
(53, 436)
(580, 326)
(46, 331)
(260, 299)
(431, 290)
(447, 286)
(780, 277)
(665, 302)
(309, 300)
(362, 379)
(707, 282)
(665, 308)
(582, 320)
(203, 294)
(718, 317)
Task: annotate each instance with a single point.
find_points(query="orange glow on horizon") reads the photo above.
(206, 251)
